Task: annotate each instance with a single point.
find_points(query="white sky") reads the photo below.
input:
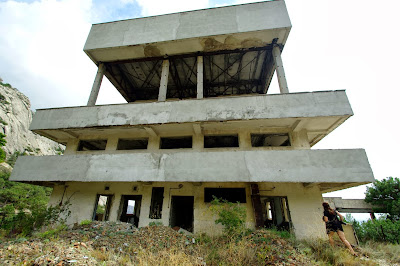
(352, 45)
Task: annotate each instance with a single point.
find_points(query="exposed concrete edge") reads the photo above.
(312, 104)
(314, 166)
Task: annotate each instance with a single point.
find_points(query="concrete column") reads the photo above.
(72, 147)
(280, 72)
(96, 85)
(200, 94)
(162, 94)
(300, 139)
(154, 143)
(244, 140)
(112, 143)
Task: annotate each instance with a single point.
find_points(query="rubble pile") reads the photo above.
(76, 245)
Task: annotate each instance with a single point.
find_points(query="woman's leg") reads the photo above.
(331, 238)
(344, 240)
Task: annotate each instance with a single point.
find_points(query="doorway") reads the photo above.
(130, 209)
(102, 207)
(276, 212)
(182, 212)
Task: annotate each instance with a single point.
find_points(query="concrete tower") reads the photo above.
(198, 123)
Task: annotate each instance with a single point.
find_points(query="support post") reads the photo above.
(200, 73)
(96, 85)
(162, 94)
(280, 72)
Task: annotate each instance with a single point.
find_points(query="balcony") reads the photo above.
(331, 169)
(317, 112)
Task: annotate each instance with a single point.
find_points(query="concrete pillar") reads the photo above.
(162, 94)
(244, 140)
(280, 72)
(72, 147)
(112, 143)
(300, 139)
(200, 74)
(96, 85)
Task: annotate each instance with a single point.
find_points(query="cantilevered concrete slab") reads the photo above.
(224, 28)
(349, 205)
(301, 110)
(316, 166)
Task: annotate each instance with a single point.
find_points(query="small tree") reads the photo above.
(231, 215)
(385, 196)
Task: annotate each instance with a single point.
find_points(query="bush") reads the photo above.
(231, 215)
(23, 207)
(381, 230)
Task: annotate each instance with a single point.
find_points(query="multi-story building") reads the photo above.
(198, 123)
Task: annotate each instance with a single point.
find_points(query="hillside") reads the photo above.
(110, 243)
(15, 119)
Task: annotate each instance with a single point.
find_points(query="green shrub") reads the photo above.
(86, 222)
(381, 230)
(13, 158)
(155, 224)
(231, 215)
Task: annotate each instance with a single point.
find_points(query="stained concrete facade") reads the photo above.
(198, 123)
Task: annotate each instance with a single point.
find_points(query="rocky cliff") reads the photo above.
(15, 118)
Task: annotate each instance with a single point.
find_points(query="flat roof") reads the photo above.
(232, 27)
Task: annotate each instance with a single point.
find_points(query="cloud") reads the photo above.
(41, 44)
(157, 7)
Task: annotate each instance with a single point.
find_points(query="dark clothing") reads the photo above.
(333, 224)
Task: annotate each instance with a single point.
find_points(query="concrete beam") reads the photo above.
(303, 105)
(162, 95)
(189, 32)
(96, 85)
(349, 205)
(280, 72)
(317, 166)
(200, 74)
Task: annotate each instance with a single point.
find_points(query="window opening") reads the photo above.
(230, 194)
(157, 197)
(270, 140)
(182, 212)
(276, 212)
(130, 209)
(226, 141)
(176, 143)
(132, 144)
(92, 145)
(102, 208)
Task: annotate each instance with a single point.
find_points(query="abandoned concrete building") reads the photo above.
(198, 123)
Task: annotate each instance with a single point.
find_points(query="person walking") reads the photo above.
(333, 224)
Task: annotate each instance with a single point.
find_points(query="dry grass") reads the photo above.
(388, 252)
(163, 246)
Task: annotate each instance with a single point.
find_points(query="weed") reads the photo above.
(86, 222)
(155, 224)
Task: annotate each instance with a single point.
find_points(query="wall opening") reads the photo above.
(226, 141)
(157, 197)
(230, 194)
(130, 209)
(176, 143)
(132, 144)
(102, 207)
(276, 212)
(182, 212)
(270, 140)
(92, 145)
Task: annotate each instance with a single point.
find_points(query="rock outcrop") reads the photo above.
(15, 118)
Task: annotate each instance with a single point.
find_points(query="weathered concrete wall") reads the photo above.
(201, 30)
(334, 166)
(293, 105)
(304, 203)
